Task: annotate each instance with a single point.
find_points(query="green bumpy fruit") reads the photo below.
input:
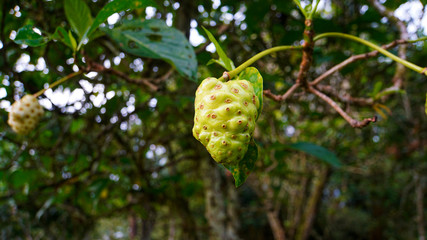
(225, 118)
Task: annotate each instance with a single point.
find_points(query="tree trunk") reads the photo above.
(172, 229)
(133, 229)
(263, 189)
(147, 224)
(221, 225)
(188, 224)
(183, 16)
(232, 205)
(419, 202)
(276, 225)
(313, 204)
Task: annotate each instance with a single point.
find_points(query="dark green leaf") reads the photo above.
(426, 104)
(154, 39)
(26, 35)
(252, 75)
(77, 125)
(317, 151)
(21, 177)
(66, 37)
(242, 170)
(97, 186)
(223, 60)
(377, 88)
(114, 7)
(78, 15)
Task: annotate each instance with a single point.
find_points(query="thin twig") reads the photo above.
(71, 75)
(352, 59)
(93, 66)
(346, 98)
(164, 76)
(280, 98)
(353, 122)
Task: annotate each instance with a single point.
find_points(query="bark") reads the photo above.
(299, 197)
(263, 189)
(276, 225)
(147, 224)
(232, 205)
(172, 229)
(222, 221)
(188, 224)
(313, 204)
(419, 202)
(183, 16)
(133, 228)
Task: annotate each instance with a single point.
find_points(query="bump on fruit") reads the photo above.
(224, 121)
(25, 114)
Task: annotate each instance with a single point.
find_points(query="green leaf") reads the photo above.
(111, 8)
(426, 104)
(242, 170)
(21, 177)
(377, 88)
(26, 35)
(77, 125)
(252, 75)
(317, 151)
(154, 39)
(67, 38)
(223, 60)
(78, 15)
(98, 185)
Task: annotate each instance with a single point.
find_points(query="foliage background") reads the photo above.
(113, 160)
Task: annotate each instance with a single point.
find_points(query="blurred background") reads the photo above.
(113, 160)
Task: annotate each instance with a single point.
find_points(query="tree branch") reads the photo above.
(346, 98)
(352, 59)
(93, 66)
(307, 53)
(354, 123)
(280, 98)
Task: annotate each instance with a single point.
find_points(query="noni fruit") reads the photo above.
(224, 121)
(25, 114)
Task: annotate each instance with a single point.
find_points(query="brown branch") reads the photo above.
(352, 59)
(280, 98)
(346, 98)
(139, 81)
(164, 77)
(93, 66)
(307, 54)
(353, 122)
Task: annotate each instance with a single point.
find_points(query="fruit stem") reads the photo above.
(255, 58)
(71, 75)
(407, 64)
